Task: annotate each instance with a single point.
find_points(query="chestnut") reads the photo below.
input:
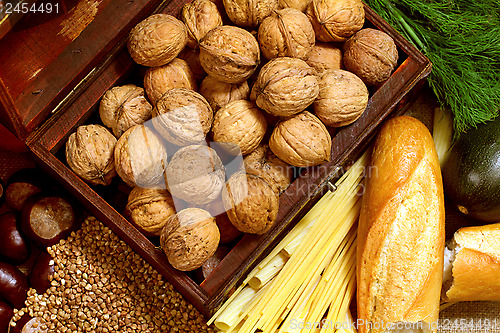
(13, 285)
(6, 314)
(42, 269)
(2, 192)
(208, 266)
(47, 218)
(21, 185)
(14, 247)
(28, 324)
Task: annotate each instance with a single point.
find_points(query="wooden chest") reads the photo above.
(54, 68)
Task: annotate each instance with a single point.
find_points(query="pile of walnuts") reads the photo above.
(263, 79)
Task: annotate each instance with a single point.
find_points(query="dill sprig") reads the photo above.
(462, 40)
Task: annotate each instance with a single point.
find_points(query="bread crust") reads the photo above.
(476, 268)
(401, 229)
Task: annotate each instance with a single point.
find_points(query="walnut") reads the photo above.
(89, 153)
(200, 16)
(149, 209)
(301, 140)
(189, 238)
(249, 13)
(229, 54)
(182, 116)
(157, 40)
(123, 107)
(195, 174)
(286, 33)
(251, 203)
(297, 4)
(220, 93)
(240, 122)
(372, 55)
(175, 74)
(342, 98)
(336, 20)
(263, 163)
(325, 56)
(141, 157)
(285, 86)
(192, 57)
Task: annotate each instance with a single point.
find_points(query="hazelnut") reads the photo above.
(301, 140)
(141, 157)
(285, 86)
(240, 122)
(220, 93)
(251, 203)
(372, 55)
(123, 107)
(175, 74)
(249, 13)
(325, 56)
(336, 20)
(157, 40)
(182, 116)
(189, 238)
(229, 54)
(263, 163)
(342, 98)
(199, 16)
(89, 153)
(195, 174)
(286, 33)
(149, 209)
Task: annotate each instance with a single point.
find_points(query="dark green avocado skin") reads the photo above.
(471, 174)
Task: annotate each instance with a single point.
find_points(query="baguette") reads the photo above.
(401, 232)
(472, 265)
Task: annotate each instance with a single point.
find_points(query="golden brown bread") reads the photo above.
(401, 230)
(475, 265)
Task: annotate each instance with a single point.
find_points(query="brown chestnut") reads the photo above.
(21, 185)
(46, 218)
(2, 192)
(42, 269)
(13, 285)
(29, 324)
(6, 314)
(14, 247)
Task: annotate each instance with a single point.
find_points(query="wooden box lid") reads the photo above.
(47, 59)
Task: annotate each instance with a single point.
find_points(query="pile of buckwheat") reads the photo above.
(101, 285)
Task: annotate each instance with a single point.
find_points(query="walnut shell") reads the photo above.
(240, 122)
(123, 107)
(157, 40)
(192, 57)
(297, 4)
(263, 163)
(342, 98)
(325, 56)
(372, 55)
(149, 209)
(195, 174)
(182, 116)
(229, 54)
(175, 74)
(189, 238)
(251, 203)
(89, 153)
(285, 86)
(140, 158)
(200, 16)
(249, 13)
(220, 93)
(336, 20)
(286, 33)
(301, 140)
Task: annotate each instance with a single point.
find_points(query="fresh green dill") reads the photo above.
(462, 40)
